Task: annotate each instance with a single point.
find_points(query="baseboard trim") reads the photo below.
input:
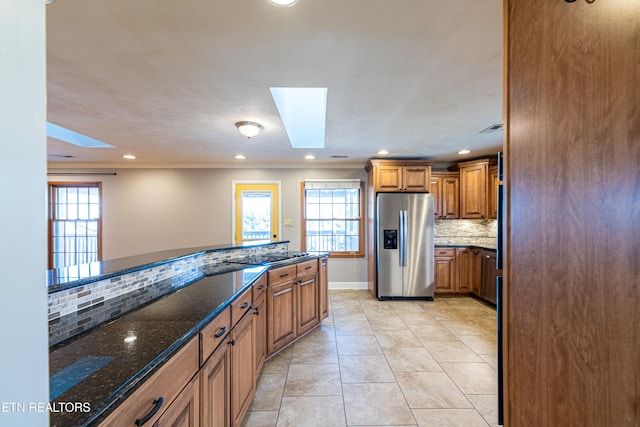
(348, 285)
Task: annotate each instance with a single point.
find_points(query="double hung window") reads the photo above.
(332, 219)
(75, 212)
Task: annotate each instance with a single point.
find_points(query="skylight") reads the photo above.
(75, 138)
(303, 112)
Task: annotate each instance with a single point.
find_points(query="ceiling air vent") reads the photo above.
(492, 128)
(338, 156)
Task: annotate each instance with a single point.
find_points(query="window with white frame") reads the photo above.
(332, 217)
(75, 223)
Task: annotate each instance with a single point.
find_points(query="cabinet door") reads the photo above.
(465, 271)
(445, 273)
(388, 178)
(323, 288)
(243, 381)
(450, 195)
(473, 191)
(493, 192)
(215, 388)
(281, 311)
(416, 178)
(260, 332)
(185, 410)
(476, 268)
(436, 189)
(307, 305)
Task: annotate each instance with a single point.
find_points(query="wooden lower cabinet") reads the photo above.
(281, 301)
(259, 332)
(476, 268)
(307, 307)
(215, 388)
(464, 282)
(323, 288)
(185, 410)
(445, 270)
(243, 380)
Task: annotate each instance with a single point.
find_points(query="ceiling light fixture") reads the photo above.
(283, 3)
(129, 156)
(464, 151)
(240, 157)
(309, 157)
(383, 152)
(249, 129)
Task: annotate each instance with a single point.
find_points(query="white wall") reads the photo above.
(146, 210)
(23, 306)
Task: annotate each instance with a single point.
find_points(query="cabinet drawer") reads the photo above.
(214, 333)
(445, 252)
(259, 287)
(240, 306)
(307, 267)
(165, 384)
(282, 274)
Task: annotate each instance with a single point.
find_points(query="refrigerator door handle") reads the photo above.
(403, 238)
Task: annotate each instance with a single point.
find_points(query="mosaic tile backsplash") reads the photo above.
(466, 228)
(77, 309)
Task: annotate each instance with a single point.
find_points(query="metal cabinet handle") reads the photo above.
(245, 305)
(256, 311)
(232, 342)
(221, 333)
(156, 406)
(308, 267)
(284, 275)
(277, 294)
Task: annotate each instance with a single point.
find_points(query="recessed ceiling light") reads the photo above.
(283, 3)
(464, 151)
(309, 157)
(240, 157)
(129, 156)
(383, 152)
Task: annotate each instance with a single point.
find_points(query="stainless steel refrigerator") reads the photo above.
(404, 239)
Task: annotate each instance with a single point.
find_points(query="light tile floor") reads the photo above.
(384, 363)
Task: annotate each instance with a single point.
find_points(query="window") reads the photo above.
(74, 223)
(332, 219)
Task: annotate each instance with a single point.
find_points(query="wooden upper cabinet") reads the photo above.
(445, 186)
(400, 175)
(493, 192)
(474, 185)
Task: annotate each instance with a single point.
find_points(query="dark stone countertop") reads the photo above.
(59, 279)
(100, 368)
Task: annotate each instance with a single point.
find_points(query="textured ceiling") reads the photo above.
(167, 79)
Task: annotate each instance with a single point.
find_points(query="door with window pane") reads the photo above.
(256, 212)
(74, 224)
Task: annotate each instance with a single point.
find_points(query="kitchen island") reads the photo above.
(96, 370)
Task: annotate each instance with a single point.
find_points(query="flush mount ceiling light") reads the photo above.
(129, 156)
(383, 152)
(283, 3)
(249, 129)
(464, 151)
(239, 157)
(309, 157)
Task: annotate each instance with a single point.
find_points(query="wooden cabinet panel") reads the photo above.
(166, 383)
(473, 191)
(307, 267)
(241, 305)
(415, 178)
(281, 302)
(185, 410)
(260, 287)
(492, 192)
(215, 389)
(464, 282)
(445, 271)
(307, 307)
(260, 332)
(214, 333)
(323, 288)
(476, 269)
(242, 369)
(445, 187)
(281, 275)
(388, 178)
